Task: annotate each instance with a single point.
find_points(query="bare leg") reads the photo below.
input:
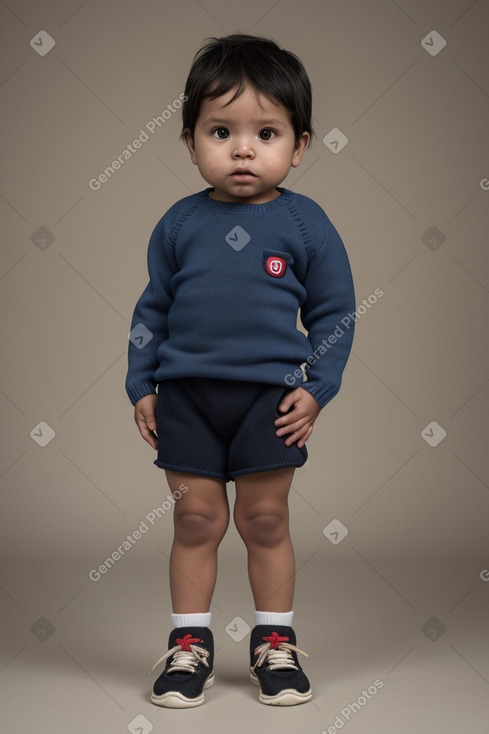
(261, 515)
(200, 520)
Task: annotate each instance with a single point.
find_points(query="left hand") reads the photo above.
(300, 421)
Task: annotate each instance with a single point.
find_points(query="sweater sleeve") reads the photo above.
(149, 322)
(327, 314)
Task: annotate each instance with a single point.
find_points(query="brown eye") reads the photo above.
(266, 134)
(221, 132)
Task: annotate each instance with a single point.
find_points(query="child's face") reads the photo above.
(249, 134)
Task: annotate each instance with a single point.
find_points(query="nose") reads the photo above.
(243, 149)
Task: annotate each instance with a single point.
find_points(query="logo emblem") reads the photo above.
(276, 266)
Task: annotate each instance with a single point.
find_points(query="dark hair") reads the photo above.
(233, 61)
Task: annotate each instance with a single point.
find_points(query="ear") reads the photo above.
(189, 142)
(300, 148)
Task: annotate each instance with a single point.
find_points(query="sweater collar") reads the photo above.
(231, 207)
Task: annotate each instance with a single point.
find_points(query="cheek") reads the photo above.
(209, 162)
(281, 157)
(208, 154)
(218, 161)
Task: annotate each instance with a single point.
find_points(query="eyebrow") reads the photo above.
(263, 122)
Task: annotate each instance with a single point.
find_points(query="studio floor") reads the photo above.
(393, 648)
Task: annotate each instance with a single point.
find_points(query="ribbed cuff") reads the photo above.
(196, 619)
(321, 393)
(282, 618)
(138, 389)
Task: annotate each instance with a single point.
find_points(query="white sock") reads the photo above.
(198, 619)
(284, 618)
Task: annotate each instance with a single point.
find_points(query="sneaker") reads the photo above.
(275, 667)
(188, 670)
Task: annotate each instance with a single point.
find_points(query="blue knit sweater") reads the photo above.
(227, 281)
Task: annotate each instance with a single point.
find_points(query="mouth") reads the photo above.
(243, 174)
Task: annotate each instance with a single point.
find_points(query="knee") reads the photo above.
(262, 528)
(200, 527)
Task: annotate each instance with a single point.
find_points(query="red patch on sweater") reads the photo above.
(276, 266)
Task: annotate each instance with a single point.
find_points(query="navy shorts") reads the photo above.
(221, 428)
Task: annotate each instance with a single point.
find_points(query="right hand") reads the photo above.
(145, 417)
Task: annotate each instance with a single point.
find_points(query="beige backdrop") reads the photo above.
(416, 159)
(397, 485)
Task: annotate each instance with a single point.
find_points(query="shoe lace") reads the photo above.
(187, 656)
(276, 652)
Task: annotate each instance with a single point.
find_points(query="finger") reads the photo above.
(151, 422)
(297, 436)
(287, 402)
(150, 438)
(147, 434)
(303, 440)
(291, 427)
(291, 417)
(292, 439)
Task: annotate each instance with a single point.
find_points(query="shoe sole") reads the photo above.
(287, 697)
(176, 700)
